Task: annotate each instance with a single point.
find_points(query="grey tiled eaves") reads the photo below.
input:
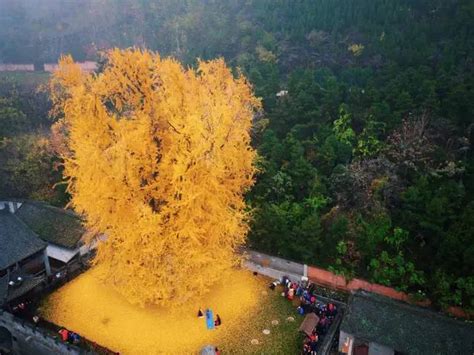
(17, 241)
(406, 328)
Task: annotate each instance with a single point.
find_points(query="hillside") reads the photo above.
(366, 161)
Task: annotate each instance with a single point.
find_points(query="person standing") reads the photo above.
(64, 334)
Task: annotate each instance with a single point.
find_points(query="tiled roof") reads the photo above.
(17, 241)
(52, 224)
(405, 328)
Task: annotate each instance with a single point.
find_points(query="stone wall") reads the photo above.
(28, 339)
(87, 66)
(17, 67)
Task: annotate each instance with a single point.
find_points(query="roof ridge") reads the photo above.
(51, 207)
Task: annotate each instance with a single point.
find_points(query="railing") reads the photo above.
(330, 337)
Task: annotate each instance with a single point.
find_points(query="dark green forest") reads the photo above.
(366, 164)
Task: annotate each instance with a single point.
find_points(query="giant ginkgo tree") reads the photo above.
(158, 158)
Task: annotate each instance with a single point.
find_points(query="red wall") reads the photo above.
(327, 278)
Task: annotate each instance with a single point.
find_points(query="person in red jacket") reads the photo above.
(291, 294)
(64, 334)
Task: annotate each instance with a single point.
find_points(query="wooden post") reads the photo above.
(46, 263)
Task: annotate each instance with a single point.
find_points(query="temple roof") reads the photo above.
(405, 328)
(17, 241)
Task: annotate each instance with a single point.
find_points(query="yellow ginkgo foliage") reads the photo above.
(158, 158)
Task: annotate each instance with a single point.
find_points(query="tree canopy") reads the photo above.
(158, 158)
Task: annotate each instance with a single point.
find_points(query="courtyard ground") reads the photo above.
(244, 302)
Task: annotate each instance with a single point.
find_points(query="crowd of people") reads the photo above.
(306, 293)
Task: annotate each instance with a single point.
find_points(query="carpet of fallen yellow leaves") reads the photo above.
(87, 306)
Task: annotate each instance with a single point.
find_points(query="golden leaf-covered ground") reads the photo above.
(246, 306)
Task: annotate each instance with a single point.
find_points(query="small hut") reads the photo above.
(309, 323)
